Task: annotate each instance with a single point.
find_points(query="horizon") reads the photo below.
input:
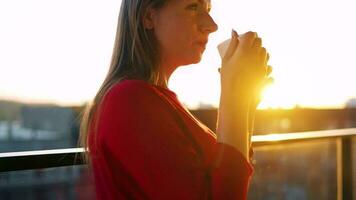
(204, 106)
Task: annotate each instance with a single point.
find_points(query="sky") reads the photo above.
(58, 51)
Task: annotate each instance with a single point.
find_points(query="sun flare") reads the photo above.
(276, 96)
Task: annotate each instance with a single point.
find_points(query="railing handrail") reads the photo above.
(24, 160)
(41, 152)
(306, 135)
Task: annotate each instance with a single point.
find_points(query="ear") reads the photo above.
(148, 18)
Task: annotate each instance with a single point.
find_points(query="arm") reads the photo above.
(231, 179)
(251, 119)
(233, 122)
(242, 71)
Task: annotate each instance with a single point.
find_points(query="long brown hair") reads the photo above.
(135, 56)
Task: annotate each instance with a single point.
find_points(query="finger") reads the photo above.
(257, 43)
(267, 57)
(269, 70)
(263, 56)
(249, 38)
(233, 44)
(268, 81)
(263, 52)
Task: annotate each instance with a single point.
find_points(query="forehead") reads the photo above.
(200, 1)
(204, 2)
(174, 3)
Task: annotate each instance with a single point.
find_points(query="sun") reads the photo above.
(277, 95)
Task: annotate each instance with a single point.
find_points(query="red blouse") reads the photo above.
(149, 146)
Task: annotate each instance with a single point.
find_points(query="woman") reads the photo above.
(143, 143)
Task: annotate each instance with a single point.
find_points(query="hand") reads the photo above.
(244, 65)
(256, 99)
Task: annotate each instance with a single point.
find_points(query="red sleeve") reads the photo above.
(232, 173)
(139, 134)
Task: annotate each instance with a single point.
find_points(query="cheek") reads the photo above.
(176, 38)
(162, 33)
(174, 35)
(184, 32)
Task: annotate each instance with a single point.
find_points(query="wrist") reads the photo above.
(235, 99)
(232, 116)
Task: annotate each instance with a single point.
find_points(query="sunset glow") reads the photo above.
(51, 57)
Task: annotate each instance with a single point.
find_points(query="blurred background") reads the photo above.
(55, 54)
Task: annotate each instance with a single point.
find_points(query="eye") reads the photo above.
(193, 7)
(209, 8)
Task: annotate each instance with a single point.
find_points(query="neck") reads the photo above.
(164, 74)
(163, 82)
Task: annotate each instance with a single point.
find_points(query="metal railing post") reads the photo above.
(346, 150)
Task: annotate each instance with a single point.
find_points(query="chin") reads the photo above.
(190, 62)
(194, 59)
(197, 59)
(191, 58)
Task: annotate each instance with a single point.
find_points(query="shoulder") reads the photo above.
(131, 88)
(132, 92)
(133, 107)
(132, 96)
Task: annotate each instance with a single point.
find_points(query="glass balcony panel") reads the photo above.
(70, 183)
(297, 170)
(40, 131)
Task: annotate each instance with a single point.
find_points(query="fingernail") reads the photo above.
(235, 33)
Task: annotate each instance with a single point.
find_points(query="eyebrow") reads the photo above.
(208, 2)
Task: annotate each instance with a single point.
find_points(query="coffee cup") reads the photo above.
(222, 47)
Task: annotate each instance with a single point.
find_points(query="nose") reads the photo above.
(208, 25)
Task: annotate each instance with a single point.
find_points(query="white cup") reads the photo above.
(222, 47)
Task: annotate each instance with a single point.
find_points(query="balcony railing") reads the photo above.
(31, 160)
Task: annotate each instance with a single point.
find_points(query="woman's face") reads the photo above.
(182, 28)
